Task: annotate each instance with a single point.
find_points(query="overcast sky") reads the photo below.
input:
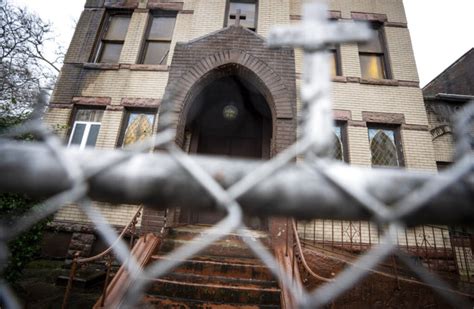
(441, 30)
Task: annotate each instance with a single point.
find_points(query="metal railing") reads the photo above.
(107, 255)
(315, 188)
(448, 252)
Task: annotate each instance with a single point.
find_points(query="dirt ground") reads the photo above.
(37, 287)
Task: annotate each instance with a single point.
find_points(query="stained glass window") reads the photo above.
(338, 150)
(383, 147)
(137, 127)
(86, 127)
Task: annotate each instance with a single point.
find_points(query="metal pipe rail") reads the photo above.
(296, 190)
(77, 261)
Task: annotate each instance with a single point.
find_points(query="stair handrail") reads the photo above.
(302, 258)
(77, 261)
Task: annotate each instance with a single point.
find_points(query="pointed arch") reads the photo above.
(383, 149)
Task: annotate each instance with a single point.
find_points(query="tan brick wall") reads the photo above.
(119, 84)
(400, 53)
(109, 129)
(182, 32)
(270, 13)
(444, 146)
(208, 17)
(134, 40)
(114, 214)
(350, 64)
(57, 119)
(359, 149)
(392, 8)
(418, 150)
(389, 99)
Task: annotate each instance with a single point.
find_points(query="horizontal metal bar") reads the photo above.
(158, 181)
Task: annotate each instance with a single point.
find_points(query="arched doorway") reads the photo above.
(229, 117)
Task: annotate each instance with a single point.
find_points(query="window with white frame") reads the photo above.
(86, 127)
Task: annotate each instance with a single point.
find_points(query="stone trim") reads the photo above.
(114, 108)
(60, 105)
(141, 10)
(101, 66)
(123, 4)
(149, 67)
(91, 100)
(341, 114)
(440, 130)
(332, 15)
(378, 82)
(141, 102)
(378, 117)
(383, 82)
(408, 83)
(369, 16)
(186, 12)
(168, 6)
(357, 123)
(415, 127)
(395, 24)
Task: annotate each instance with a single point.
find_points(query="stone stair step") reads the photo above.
(229, 267)
(174, 303)
(221, 280)
(212, 292)
(190, 232)
(222, 248)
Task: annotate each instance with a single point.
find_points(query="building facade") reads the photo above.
(232, 95)
(445, 96)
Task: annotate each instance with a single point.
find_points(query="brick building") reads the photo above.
(444, 97)
(127, 55)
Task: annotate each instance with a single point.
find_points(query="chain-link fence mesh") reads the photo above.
(341, 192)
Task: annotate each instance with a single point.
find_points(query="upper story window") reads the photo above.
(335, 61)
(86, 127)
(137, 126)
(158, 40)
(385, 146)
(373, 60)
(113, 38)
(247, 15)
(339, 149)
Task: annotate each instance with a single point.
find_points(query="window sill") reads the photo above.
(101, 66)
(380, 82)
(133, 67)
(149, 67)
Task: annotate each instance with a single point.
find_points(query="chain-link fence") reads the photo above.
(277, 187)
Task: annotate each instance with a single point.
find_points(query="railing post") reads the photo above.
(106, 283)
(287, 235)
(70, 281)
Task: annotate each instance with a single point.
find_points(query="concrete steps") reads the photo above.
(225, 275)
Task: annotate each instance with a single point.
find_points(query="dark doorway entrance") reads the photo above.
(230, 117)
